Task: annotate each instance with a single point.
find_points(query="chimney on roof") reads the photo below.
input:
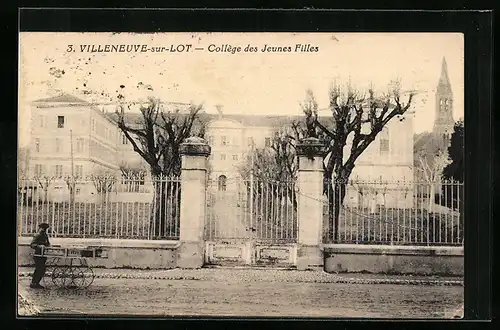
(219, 110)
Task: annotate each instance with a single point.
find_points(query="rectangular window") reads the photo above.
(211, 140)
(38, 170)
(268, 142)
(60, 121)
(58, 145)
(250, 141)
(384, 141)
(78, 191)
(223, 156)
(79, 171)
(79, 145)
(37, 145)
(42, 121)
(124, 139)
(235, 157)
(384, 145)
(59, 171)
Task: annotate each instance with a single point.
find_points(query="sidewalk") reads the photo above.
(246, 274)
(246, 292)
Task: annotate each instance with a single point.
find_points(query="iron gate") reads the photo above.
(252, 222)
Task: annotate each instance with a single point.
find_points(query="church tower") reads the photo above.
(443, 123)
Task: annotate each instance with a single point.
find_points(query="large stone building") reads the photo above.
(389, 158)
(71, 136)
(68, 132)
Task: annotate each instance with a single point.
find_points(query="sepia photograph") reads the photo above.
(241, 175)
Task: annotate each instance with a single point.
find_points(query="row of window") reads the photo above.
(58, 170)
(225, 141)
(383, 148)
(223, 156)
(43, 121)
(103, 131)
(59, 145)
(97, 127)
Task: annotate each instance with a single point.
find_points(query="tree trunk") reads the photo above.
(166, 203)
(72, 196)
(336, 195)
(432, 196)
(159, 214)
(45, 195)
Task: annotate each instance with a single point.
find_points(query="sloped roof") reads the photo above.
(63, 98)
(245, 120)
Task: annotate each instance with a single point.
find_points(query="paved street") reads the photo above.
(237, 292)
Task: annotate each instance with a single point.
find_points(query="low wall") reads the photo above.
(338, 258)
(347, 258)
(142, 254)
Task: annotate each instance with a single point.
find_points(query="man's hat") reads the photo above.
(44, 225)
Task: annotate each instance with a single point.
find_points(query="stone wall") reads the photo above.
(140, 254)
(345, 258)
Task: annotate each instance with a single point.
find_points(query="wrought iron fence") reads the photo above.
(394, 213)
(244, 209)
(101, 206)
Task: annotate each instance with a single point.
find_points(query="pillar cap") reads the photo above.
(194, 146)
(310, 147)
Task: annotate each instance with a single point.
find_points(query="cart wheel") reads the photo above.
(51, 265)
(83, 276)
(61, 276)
(89, 276)
(74, 275)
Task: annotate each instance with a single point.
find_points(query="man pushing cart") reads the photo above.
(69, 266)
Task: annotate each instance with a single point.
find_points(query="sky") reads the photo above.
(243, 82)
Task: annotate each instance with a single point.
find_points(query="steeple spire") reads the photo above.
(443, 123)
(444, 80)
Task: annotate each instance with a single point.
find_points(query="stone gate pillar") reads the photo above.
(194, 152)
(310, 207)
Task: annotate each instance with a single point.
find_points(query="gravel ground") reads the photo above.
(247, 292)
(25, 307)
(245, 274)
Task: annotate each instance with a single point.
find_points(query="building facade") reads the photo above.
(389, 158)
(73, 137)
(70, 138)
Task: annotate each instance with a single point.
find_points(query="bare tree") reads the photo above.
(127, 169)
(277, 162)
(156, 137)
(270, 174)
(44, 181)
(356, 122)
(367, 195)
(432, 172)
(71, 181)
(133, 176)
(103, 183)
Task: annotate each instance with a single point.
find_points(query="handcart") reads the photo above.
(69, 267)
